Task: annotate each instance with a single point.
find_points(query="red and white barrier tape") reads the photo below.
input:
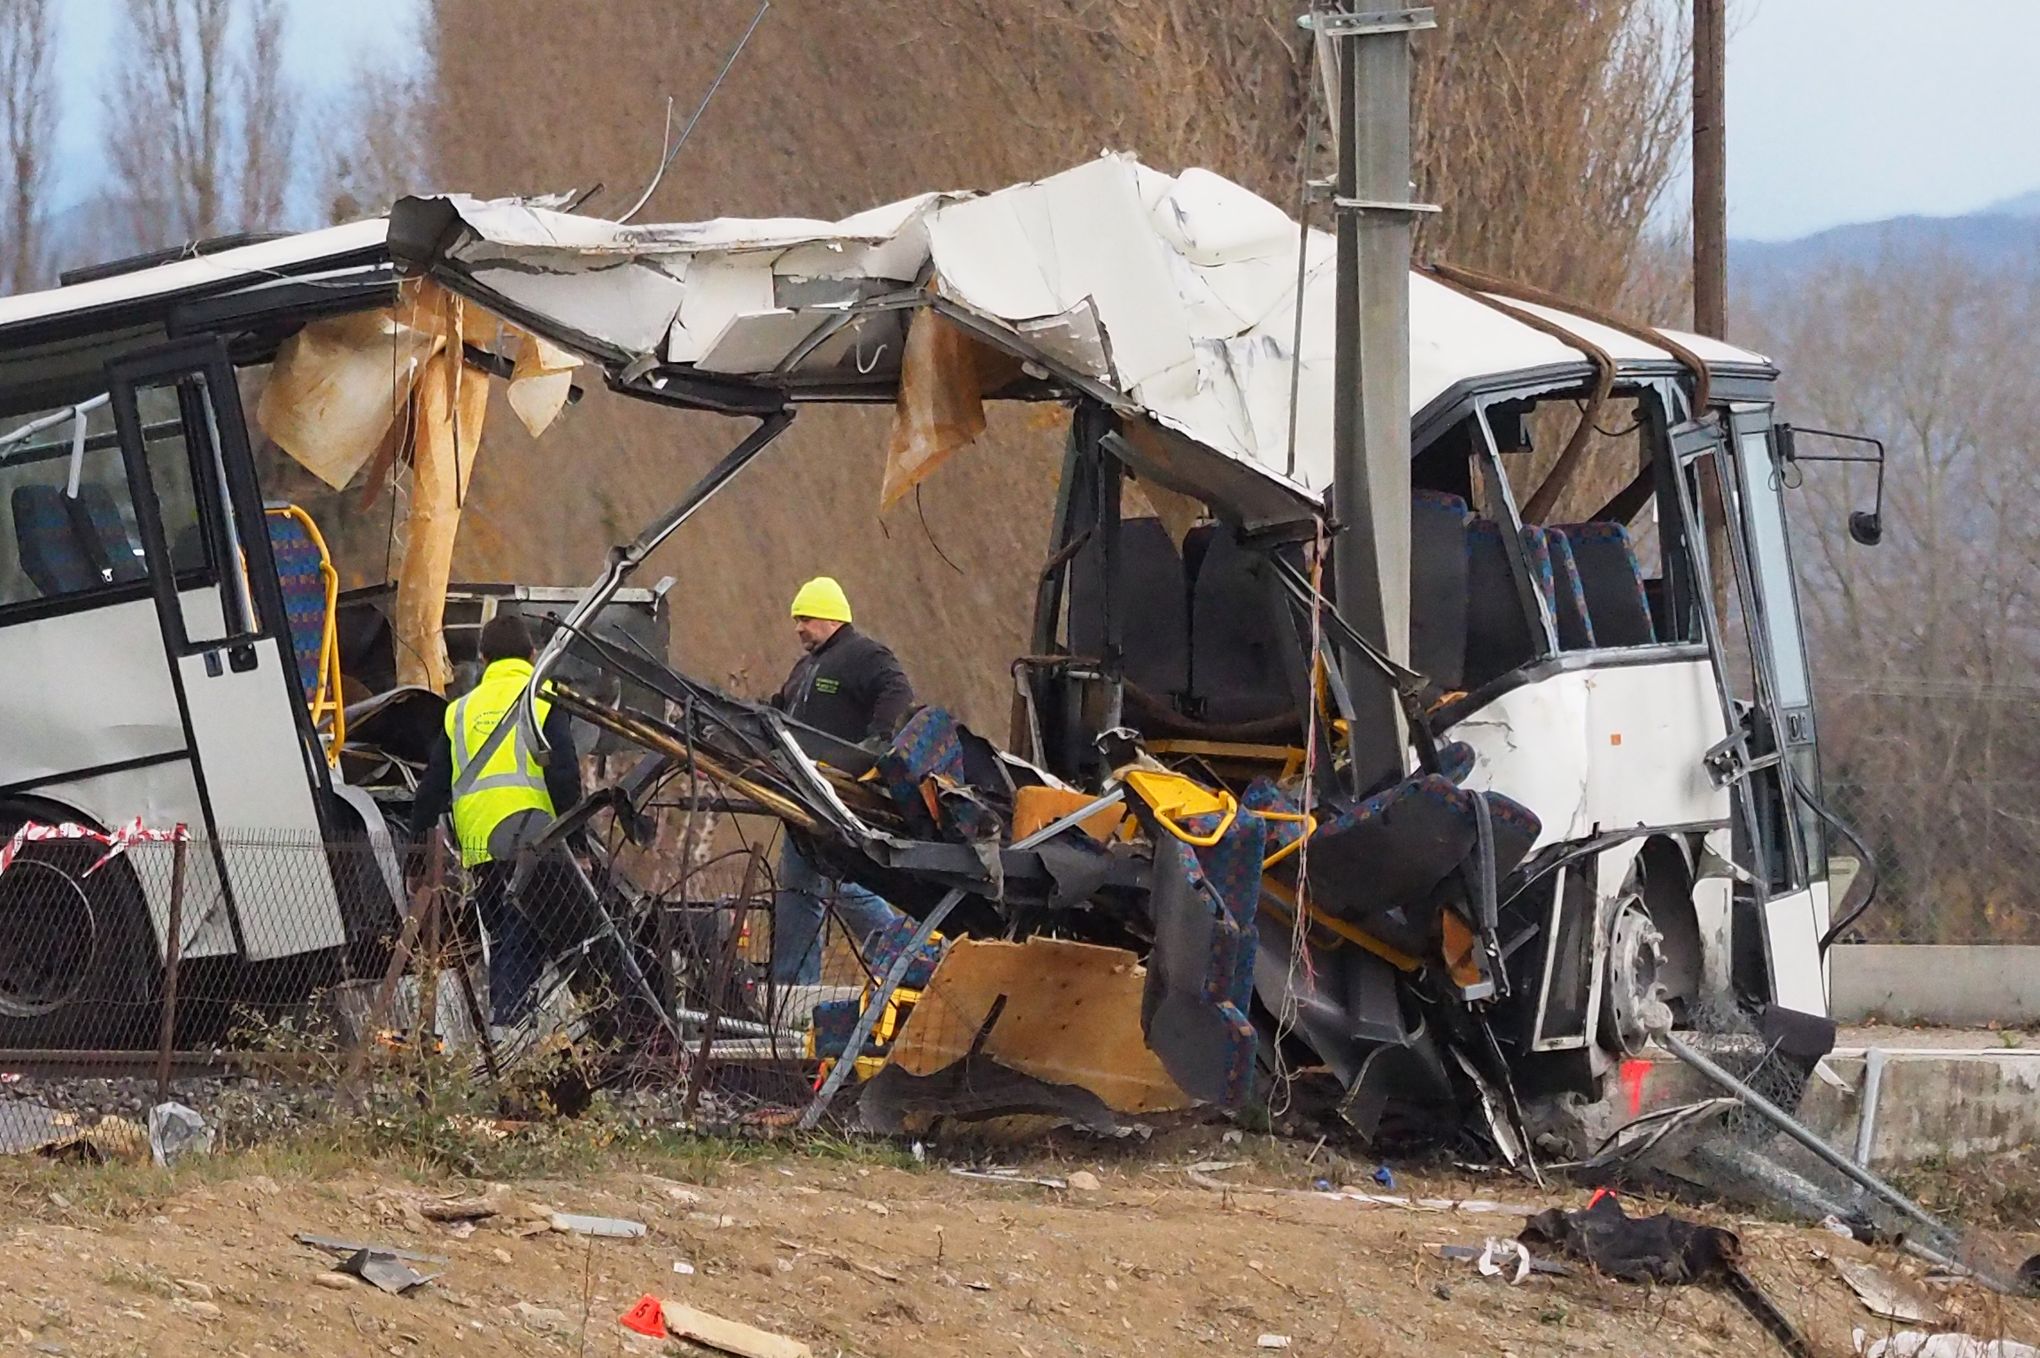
(116, 842)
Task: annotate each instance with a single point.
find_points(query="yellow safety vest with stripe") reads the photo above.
(511, 780)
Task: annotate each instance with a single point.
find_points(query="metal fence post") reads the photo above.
(166, 1031)
(726, 965)
(423, 899)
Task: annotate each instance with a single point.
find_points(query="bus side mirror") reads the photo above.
(1866, 526)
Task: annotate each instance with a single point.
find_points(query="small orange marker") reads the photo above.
(648, 1317)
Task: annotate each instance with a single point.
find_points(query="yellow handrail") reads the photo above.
(325, 699)
(1304, 818)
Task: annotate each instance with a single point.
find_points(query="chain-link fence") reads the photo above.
(131, 969)
(1941, 779)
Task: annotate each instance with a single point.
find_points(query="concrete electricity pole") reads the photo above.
(1371, 396)
(1710, 168)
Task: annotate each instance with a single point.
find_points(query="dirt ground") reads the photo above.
(858, 1250)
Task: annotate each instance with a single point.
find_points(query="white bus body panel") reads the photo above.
(1600, 749)
(92, 688)
(1793, 926)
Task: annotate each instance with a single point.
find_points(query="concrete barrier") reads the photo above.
(1943, 985)
(1940, 1106)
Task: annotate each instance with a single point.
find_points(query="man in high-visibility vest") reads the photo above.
(509, 782)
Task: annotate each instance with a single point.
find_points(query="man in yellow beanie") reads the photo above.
(851, 686)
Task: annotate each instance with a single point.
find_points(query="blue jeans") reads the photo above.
(797, 914)
(516, 954)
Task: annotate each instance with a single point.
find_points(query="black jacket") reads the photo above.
(850, 686)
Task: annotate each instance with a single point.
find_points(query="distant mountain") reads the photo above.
(2004, 234)
(2025, 205)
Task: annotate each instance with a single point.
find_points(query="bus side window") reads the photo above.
(69, 533)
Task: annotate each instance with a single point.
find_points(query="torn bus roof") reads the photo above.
(198, 275)
(1165, 296)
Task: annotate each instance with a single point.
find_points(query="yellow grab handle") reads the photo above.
(1184, 797)
(1309, 823)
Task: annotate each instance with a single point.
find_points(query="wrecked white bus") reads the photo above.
(1598, 822)
(1601, 822)
(175, 650)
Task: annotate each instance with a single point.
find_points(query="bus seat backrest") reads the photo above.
(51, 555)
(98, 514)
(1154, 599)
(1568, 598)
(1498, 634)
(1238, 668)
(1438, 579)
(1612, 582)
(304, 593)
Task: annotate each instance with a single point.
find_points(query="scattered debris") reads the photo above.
(646, 1318)
(1888, 1297)
(683, 1268)
(36, 1129)
(1384, 1176)
(175, 1132)
(729, 1336)
(1914, 1344)
(1272, 1341)
(1012, 1176)
(610, 1228)
(1200, 1174)
(385, 1270)
(1500, 1249)
(1661, 1249)
(458, 1209)
(351, 1247)
(542, 1319)
(336, 1281)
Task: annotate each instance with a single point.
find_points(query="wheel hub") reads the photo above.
(1633, 993)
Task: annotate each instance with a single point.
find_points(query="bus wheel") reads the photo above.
(72, 954)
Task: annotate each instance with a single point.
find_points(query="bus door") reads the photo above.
(1761, 714)
(256, 762)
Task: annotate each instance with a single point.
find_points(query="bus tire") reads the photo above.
(78, 965)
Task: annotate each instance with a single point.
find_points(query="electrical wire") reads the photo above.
(1863, 854)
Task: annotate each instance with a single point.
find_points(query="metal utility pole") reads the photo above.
(1371, 401)
(1710, 238)
(1710, 168)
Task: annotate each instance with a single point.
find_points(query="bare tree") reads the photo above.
(374, 150)
(28, 109)
(267, 115)
(1927, 648)
(1548, 130)
(899, 96)
(201, 120)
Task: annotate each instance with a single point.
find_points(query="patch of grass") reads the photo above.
(703, 1159)
(138, 1278)
(1991, 1191)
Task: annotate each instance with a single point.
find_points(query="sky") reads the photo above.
(327, 40)
(1857, 110)
(1839, 110)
